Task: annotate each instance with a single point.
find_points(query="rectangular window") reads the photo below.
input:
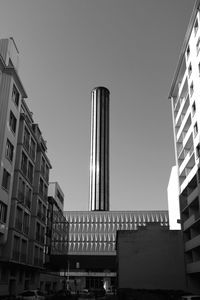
(16, 248)
(19, 217)
(188, 51)
(24, 163)
(32, 149)
(28, 196)
(196, 26)
(195, 129)
(43, 166)
(189, 69)
(193, 108)
(41, 186)
(21, 190)
(191, 89)
(9, 150)
(26, 139)
(23, 251)
(12, 122)
(198, 150)
(3, 212)
(30, 172)
(26, 223)
(198, 46)
(37, 233)
(15, 95)
(6, 180)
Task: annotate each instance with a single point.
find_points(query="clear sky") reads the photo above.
(68, 47)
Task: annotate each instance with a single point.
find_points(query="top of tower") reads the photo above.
(101, 88)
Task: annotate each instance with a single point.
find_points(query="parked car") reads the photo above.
(97, 292)
(61, 295)
(31, 295)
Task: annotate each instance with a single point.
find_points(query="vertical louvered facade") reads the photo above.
(99, 153)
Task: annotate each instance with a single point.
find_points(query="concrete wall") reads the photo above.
(151, 258)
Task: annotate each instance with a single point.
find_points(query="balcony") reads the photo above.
(184, 104)
(193, 267)
(193, 243)
(185, 125)
(191, 221)
(188, 161)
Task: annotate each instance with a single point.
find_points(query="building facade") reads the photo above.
(185, 101)
(92, 244)
(24, 178)
(99, 153)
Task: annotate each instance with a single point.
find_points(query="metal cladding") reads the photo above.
(95, 233)
(99, 152)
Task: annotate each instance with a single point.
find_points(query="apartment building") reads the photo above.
(185, 100)
(57, 234)
(24, 178)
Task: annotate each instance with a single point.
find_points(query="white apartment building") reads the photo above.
(185, 100)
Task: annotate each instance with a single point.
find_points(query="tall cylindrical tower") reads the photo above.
(99, 152)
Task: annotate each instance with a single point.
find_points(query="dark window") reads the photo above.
(21, 190)
(196, 26)
(198, 150)
(16, 247)
(9, 150)
(15, 95)
(30, 172)
(12, 122)
(32, 149)
(189, 69)
(3, 212)
(195, 129)
(191, 89)
(24, 163)
(188, 51)
(26, 139)
(6, 180)
(198, 46)
(193, 108)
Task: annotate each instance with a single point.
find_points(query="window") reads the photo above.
(21, 190)
(12, 122)
(23, 251)
(195, 129)
(30, 172)
(9, 150)
(190, 69)
(26, 223)
(37, 233)
(28, 196)
(43, 166)
(198, 150)
(15, 95)
(24, 163)
(3, 212)
(19, 217)
(41, 186)
(193, 108)
(32, 149)
(191, 89)
(196, 26)
(6, 180)
(188, 51)
(198, 46)
(26, 139)
(16, 247)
